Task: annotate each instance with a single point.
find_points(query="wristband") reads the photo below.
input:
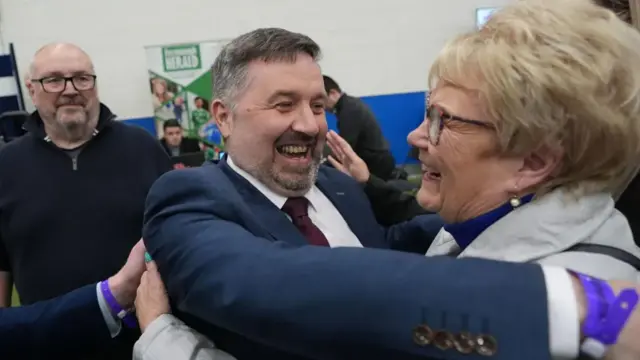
(606, 315)
(118, 311)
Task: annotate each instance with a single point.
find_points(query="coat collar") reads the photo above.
(547, 225)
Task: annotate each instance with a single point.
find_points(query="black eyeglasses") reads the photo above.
(436, 118)
(57, 84)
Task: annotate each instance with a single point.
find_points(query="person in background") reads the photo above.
(178, 108)
(71, 208)
(164, 336)
(174, 142)
(358, 126)
(200, 116)
(71, 324)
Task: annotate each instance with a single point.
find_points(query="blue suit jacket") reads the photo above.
(61, 327)
(230, 259)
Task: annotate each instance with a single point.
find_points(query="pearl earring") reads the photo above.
(515, 202)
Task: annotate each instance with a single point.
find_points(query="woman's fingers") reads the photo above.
(337, 164)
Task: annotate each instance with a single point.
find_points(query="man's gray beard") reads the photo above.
(75, 130)
(298, 186)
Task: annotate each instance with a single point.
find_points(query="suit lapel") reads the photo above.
(263, 212)
(341, 200)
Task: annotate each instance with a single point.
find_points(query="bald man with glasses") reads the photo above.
(72, 190)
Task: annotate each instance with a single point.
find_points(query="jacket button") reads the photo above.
(486, 345)
(422, 335)
(443, 340)
(464, 342)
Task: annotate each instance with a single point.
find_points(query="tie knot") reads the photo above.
(296, 207)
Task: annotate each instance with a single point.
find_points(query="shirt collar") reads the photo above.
(277, 199)
(465, 232)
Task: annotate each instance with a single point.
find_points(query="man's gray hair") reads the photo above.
(229, 70)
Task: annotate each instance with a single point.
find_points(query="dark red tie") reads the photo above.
(297, 208)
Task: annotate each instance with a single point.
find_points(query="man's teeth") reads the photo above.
(294, 149)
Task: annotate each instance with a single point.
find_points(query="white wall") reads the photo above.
(369, 47)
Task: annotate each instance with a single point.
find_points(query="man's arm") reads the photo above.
(390, 204)
(350, 125)
(48, 328)
(342, 303)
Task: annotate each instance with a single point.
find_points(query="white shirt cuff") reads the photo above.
(113, 325)
(564, 324)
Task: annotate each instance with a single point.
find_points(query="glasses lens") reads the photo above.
(53, 84)
(435, 118)
(83, 82)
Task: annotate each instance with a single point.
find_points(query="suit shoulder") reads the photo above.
(199, 177)
(335, 175)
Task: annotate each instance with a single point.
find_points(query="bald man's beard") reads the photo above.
(75, 123)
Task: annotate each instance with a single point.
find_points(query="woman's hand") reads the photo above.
(345, 159)
(151, 300)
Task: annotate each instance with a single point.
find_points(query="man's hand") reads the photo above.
(345, 159)
(124, 284)
(152, 300)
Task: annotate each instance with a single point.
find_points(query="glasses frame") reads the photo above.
(66, 79)
(446, 117)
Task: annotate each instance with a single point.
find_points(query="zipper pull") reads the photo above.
(74, 163)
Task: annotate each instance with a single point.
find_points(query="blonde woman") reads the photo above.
(531, 124)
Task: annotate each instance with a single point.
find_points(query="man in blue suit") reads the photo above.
(271, 183)
(73, 324)
(230, 241)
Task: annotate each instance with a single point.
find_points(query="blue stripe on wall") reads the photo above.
(9, 103)
(6, 66)
(397, 114)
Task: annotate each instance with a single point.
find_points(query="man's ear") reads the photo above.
(222, 115)
(538, 166)
(29, 85)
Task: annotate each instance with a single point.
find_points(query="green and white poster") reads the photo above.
(180, 86)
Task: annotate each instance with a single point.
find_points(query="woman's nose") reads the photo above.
(418, 138)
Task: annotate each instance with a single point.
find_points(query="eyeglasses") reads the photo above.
(436, 118)
(57, 84)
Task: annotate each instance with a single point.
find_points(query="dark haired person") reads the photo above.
(174, 142)
(359, 127)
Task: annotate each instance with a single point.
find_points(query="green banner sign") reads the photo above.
(181, 58)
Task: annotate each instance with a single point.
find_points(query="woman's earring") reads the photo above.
(515, 201)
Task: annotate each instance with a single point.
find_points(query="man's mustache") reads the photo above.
(297, 138)
(76, 100)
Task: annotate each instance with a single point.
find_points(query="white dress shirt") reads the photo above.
(114, 325)
(322, 212)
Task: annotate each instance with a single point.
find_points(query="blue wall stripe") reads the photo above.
(6, 66)
(397, 114)
(9, 103)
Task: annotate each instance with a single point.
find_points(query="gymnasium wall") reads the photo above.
(378, 50)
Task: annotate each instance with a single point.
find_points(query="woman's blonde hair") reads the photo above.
(556, 74)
